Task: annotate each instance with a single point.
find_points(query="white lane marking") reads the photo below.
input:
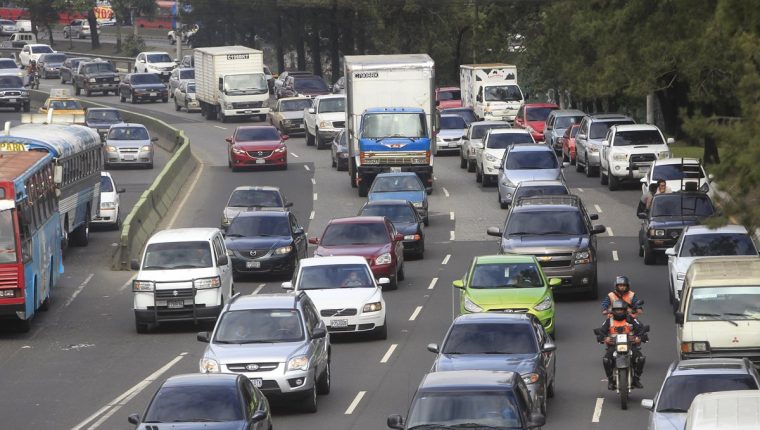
(128, 283)
(416, 313)
(388, 354)
(306, 166)
(610, 232)
(615, 256)
(315, 196)
(598, 209)
(294, 154)
(445, 191)
(452, 235)
(597, 410)
(355, 403)
(580, 189)
(187, 195)
(220, 127)
(311, 215)
(432, 283)
(451, 216)
(125, 397)
(313, 181)
(78, 290)
(446, 259)
(258, 289)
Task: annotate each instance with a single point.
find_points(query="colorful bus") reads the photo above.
(30, 233)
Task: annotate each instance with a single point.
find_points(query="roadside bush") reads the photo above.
(133, 45)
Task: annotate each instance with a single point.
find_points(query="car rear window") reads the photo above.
(41, 49)
(453, 122)
(490, 339)
(567, 121)
(397, 213)
(187, 74)
(106, 186)
(503, 140)
(538, 113)
(676, 204)
(195, 403)
(355, 234)
(450, 95)
(478, 131)
(679, 391)
(310, 84)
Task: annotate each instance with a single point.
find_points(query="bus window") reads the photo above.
(7, 237)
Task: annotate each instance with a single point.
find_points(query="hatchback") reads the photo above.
(490, 157)
(451, 129)
(526, 163)
(129, 144)
(532, 117)
(109, 202)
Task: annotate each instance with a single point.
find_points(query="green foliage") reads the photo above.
(133, 45)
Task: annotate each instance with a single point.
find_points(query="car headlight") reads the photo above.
(142, 285)
(592, 149)
(107, 205)
(412, 237)
(287, 121)
(93, 80)
(531, 378)
(695, 346)
(384, 259)
(146, 148)
(116, 79)
(507, 183)
(545, 304)
(325, 124)
(111, 148)
(209, 365)
(225, 221)
(491, 158)
(373, 307)
(619, 157)
(298, 363)
(281, 149)
(583, 257)
(238, 151)
(681, 276)
(663, 154)
(283, 250)
(656, 232)
(206, 283)
(227, 105)
(470, 306)
(417, 204)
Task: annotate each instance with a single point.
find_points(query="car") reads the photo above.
(372, 237)
(724, 410)
(303, 85)
(473, 140)
(287, 114)
(401, 185)
(20, 38)
(185, 33)
(187, 61)
(525, 162)
(686, 379)
(557, 123)
(265, 242)
(451, 129)
(663, 223)
(339, 87)
(269, 77)
(677, 172)
(588, 141)
(109, 213)
(448, 97)
(101, 119)
(96, 76)
(508, 283)
(405, 218)
(628, 152)
(179, 75)
(284, 75)
(7, 27)
(532, 117)
(13, 93)
(257, 146)
(510, 342)
(490, 157)
(228, 401)
(248, 198)
(339, 150)
(345, 293)
(567, 141)
(69, 68)
(556, 187)
(8, 67)
(128, 144)
(62, 106)
(77, 28)
(465, 112)
(33, 51)
(470, 399)
(277, 341)
(156, 62)
(139, 87)
(185, 97)
(324, 119)
(699, 241)
(557, 230)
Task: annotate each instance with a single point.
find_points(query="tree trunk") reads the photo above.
(347, 36)
(50, 34)
(93, 21)
(300, 42)
(118, 36)
(458, 52)
(334, 43)
(710, 155)
(133, 18)
(316, 49)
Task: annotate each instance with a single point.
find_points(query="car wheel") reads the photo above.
(310, 400)
(502, 204)
(614, 183)
(141, 328)
(381, 332)
(462, 160)
(478, 175)
(323, 384)
(17, 108)
(578, 165)
(177, 107)
(87, 92)
(603, 179)
(309, 138)
(426, 221)
(470, 166)
(334, 163)
(77, 90)
(593, 292)
(363, 189)
(401, 274)
(122, 99)
(132, 98)
(649, 257)
(165, 100)
(393, 285)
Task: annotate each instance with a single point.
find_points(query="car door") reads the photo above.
(173, 81)
(547, 357)
(605, 152)
(140, 63)
(299, 236)
(580, 140)
(519, 120)
(398, 245)
(319, 346)
(24, 55)
(225, 272)
(549, 130)
(672, 259)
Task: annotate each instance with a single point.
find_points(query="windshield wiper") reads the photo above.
(243, 342)
(196, 420)
(703, 314)
(473, 425)
(671, 410)
(430, 426)
(154, 268)
(234, 235)
(743, 314)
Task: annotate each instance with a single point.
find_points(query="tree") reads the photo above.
(42, 14)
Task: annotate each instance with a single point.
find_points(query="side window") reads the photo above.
(249, 398)
(294, 223)
(218, 250)
(520, 112)
(550, 121)
(311, 315)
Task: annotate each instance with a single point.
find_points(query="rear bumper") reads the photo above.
(579, 277)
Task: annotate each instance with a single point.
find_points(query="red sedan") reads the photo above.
(257, 146)
(371, 237)
(448, 97)
(532, 116)
(568, 143)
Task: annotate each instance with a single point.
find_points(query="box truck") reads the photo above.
(491, 90)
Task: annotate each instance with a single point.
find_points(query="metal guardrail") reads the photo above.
(126, 63)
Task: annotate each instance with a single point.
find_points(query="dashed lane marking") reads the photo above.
(452, 235)
(445, 191)
(79, 289)
(416, 313)
(355, 402)
(610, 232)
(580, 189)
(315, 196)
(258, 289)
(598, 209)
(597, 410)
(446, 259)
(306, 166)
(294, 154)
(128, 283)
(220, 127)
(311, 215)
(432, 283)
(388, 354)
(451, 216)
(313, 181)
(615, 256)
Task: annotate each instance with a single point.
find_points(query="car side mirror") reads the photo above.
(384, 281)
(398, 237)
(642, 215)
(555, 282)
(536, 420)
(134, 264)
(670, 141)
(258, 416)
(605, 142)
(287, 285)
(710, 176)
(671, 252)
(298, 231)
(647, 404)
(432, 347)
(203, 336)
(318, 333)
(312, 111)
(494, 231)
(228, 139)
(643, 180)
(458, 283)
(395, 422)
(314, 240)
(121, 190)
(478, 98)
(598, 229)
(549, 347)
(134, 419)
(581, 136)
(679, 318)
(593, 217)
(284, 137)
(154, 139)
(288, 205)
(222, 260)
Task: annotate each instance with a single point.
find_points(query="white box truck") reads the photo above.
(389, 106)
(230, 81)
(491, 90)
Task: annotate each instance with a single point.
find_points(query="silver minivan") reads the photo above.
(129, 144)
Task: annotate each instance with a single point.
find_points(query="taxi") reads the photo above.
(63, 106)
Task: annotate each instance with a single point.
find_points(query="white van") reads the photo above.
(719, 314)
(725, 410)
(184, 275)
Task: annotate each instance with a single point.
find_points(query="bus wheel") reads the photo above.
(24, 325)
(81, 235)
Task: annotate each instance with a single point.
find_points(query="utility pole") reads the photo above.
(178, 34)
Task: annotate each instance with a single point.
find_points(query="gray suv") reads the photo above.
(277, 340)
(557, 122)
(588, 141)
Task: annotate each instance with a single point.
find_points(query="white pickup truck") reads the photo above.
(628, 152)
(324, 119)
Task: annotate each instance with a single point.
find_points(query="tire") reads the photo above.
(381, 333)
(426, 221)
(132, 98)
(603, 179)
(565, 157)
(323, 383)
(87, 92)
(470, 166)
(77, 90)
(614, 184)
(177, 107)
(503, 205)
(622, 385)
(401, 275)
(333, 162)
(17, 108)
(578, 166)
(590, 170)
(262, 118)
(363, 189)
(23, 326)
(63, 81)
(351, 176)
(141, 328)
(27, 107)
(550, 388)
(393, 285)
(317, 140)
(81, 235)
(462, 161)
(421, 254)
(309, 139)
(165, 100)
(478, 175)
(222, 117)
(310, 400)
(592, 293)
(649, 257)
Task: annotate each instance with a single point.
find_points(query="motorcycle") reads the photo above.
(34, 81)
(623, 357)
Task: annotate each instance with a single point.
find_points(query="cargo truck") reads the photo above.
(230, 82)
(491, 90)
(389, 106)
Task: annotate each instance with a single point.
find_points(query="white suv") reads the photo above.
(628, 152)
(185, 275)
(489, 157)
(156, 62)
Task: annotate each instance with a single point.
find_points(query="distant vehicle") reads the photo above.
(557, 122)
(677, 173)
(472, 141)
(156, 62)
(18, 40)
(178, 76)
(401, 186)
(525, 162)
(77, 28)
(451, 130)
(299, 86)
(24, 25)
(339, 87)
(139, 87)
(588, 142)
(405, 218)
(33, 52)
(287, 114)
(257, 146)
(185, 97)
(535, 188)
(101, 119)
(8, 67)
(448, 97)
(129, 144)
(628, 152)
(7, 27)
(284, 75)
(50, 65)
(96, 76)
(248, 198)
(185, 33)
(324, 119)
(109, 213)
(69, 68)
(491, 90)
(269, 78)
(533, 116)
(339, 151)
(567, 141)
(62, 106)
(14, 94)
(467, 114)
(491, 157)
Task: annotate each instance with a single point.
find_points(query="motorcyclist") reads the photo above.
(622, 291)
(622, 323)
(31, 70)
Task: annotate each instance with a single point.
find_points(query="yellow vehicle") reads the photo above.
(63, 106)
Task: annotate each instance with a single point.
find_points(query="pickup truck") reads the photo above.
(18, 40)
(325, 119)
(628, 151)
(95, 76)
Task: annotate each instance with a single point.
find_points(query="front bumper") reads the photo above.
(383, 271)
(574, 277)
(413, 246)
(508, 117)
(246, 160)
(327, 134)
(13, 101)
(448, 145)
(245, 112)
(626, 170)
(278, 381)
(269, 263)
(122, 157)
(52, 73)
(150, 95)
(490, 168)
(101, 86)
(660, 245)
(506, 191)
(293, 127)
(188, 313)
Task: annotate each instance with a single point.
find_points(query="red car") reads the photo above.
(532, 116)
(257, 146)
(568, 143)
(448, 97)
(371, 237)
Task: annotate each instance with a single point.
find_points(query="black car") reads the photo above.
(666, 218)
(137, 87)
(339, 149)
(303, 85)
(466, 113)
(221, 401)
(405, 218)
(265, 242)
(95, 76)
(101, 119)
(49, 65)
(13, 93)
(69, 68)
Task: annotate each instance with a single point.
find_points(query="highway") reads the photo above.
(84, 366)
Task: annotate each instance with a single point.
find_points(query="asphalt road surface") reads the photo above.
(84, 366)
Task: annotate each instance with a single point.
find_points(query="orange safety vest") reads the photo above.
(615, 324)
(627, 297)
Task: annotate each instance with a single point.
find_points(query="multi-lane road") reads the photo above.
(83, 365)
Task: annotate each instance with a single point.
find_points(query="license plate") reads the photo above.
(12, 100)
(395, 169)
(153, 94)
(248, 111)
(175, 304)
(128, 157)
(252, 264)
(453, 144)
(261, 161)
(338, 323)
(257, 382)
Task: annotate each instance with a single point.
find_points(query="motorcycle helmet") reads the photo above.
(619, 310)
(622, 285)
(33, 62)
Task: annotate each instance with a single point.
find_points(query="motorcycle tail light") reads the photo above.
(623, 347)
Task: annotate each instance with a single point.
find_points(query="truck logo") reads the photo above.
(544, 258)
(175, 293)
(237, 56)
(364, 75)
(735, 340)
(394, 145)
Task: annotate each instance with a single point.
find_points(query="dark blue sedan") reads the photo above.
(406, 220)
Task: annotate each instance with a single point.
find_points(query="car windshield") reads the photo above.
(538, 113)
(574, 130)
(454, 122)
(537, 222)
(257, 226)
(449, 95)
(187, 74)
(472, 409)
(466, 113)
(502, 93)
(53, 58)
(389, 184)
(598, 129)
(531, 160)
(256, 133)
(7, 63)
(295, 105)
(679, 391)
(106, 186)
(259, 326)
(677, 204)
(110, 116)
(335, 276)
(146, 78)
(11, 82)
(721, 244)
(478, 131)
(159, 58)
(195, 403)
(490, 339)
(718, 303)
(7, 237)
(355, 234)
(258, 198)
(332, 105)
(310, 84)
(382, 125)
(65, 105)
(503, 140)
(97, 68)
(544, 190)
(253, 83)
(343, 140)
(567, 121)
(674, 172)
(505, 275)
(397, 213)
(177, 255)
(42, 49)
(190, 89)
(128, 133)
(638, 137)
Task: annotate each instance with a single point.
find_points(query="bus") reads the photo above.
(30, 232)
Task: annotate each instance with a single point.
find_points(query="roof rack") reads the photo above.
(568, 200)
(691, 178)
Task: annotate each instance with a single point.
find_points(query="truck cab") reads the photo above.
(491, 90)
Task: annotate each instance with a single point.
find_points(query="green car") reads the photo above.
(510, 284)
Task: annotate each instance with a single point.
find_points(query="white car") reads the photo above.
(699, 241)
(451, 129)
(109, 202)
(156, 62)
(488, 158)
(473, 139)
(33, 52)
(628, 151)
(344, 291)
(677, 173)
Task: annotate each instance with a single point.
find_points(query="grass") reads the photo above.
(686, 151)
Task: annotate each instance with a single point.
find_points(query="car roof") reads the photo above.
(256, 187)
(248, 127)
(98, 109)
(703, 229)
(535, 105)
(721, 271)
(467, 380)
(332, 261)
(154, 52)
(635, 127)
(284, 99)
(489, 123)
(510, 131)
(607, 116)
(450, 115)
(458, 109)
(357, 219)
(31, 45)
(447, 88)
(128, 124)
(679, 160)
(191, 234)
(201, 379)
(528, 147)
(264, 301)
(505, 258)
(330, 96)
(103, 173)
(395, 109)
(702, 366)
(541, 183)
(493, 318)
(261, 214)
(567, 112)
(542, 203)
(394, 174)
(389, 202)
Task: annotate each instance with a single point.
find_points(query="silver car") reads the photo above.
(451, 128)
(129, 144)
(246, 198)
(557, 122)
(278, 341)
(178, 76)
(184, 97)
(526, 162)
(588, 141)
(473, 140)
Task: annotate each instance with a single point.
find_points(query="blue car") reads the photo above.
(401, 186)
